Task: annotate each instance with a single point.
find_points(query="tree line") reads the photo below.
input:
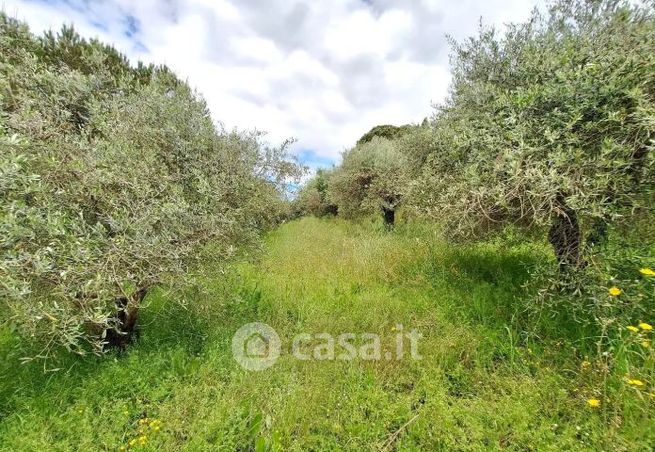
(114, 179)
(549, 127)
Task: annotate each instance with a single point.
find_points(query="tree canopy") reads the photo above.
(113, 179)
(549, 124)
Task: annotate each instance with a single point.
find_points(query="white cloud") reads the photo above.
(259, 49)
(324, 72)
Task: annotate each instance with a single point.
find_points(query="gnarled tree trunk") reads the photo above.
(389, 217)
(125, 320)
(566, 237)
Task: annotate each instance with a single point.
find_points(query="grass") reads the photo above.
(490, 378)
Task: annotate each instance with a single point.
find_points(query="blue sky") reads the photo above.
(314, 160)
(323, 72)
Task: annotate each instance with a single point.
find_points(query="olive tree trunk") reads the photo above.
(566, 237)
(389, 217)
(125, 320)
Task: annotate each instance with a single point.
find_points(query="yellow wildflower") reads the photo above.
(647, 272)
(132, 443)
(594, 403)
(645, 343)
(155, 423)
(614, 291)
(645, 326)
(635, 382)
(585, 364)
(143, 439)
(634, 329)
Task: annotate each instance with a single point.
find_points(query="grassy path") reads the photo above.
(480, 385)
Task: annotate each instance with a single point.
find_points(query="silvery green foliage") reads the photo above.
(315, 197)
(113, 179)
(372, 176)
(558, 114)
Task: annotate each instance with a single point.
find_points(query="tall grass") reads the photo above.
(493, 375)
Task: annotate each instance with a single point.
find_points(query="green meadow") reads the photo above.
(492, 375)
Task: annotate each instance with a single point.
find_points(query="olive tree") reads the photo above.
(112, 180)
(551, 124)
(372, 177)
(315, 198)
(387, 131)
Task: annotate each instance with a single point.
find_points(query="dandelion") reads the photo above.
(594, 403)
(155, 423)
(143, 439)
(645, 343)
(647, 272)
(614, 291)
(634, 329)
(645, 326)
(635, 382)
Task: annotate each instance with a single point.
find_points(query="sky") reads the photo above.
(323, 71)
